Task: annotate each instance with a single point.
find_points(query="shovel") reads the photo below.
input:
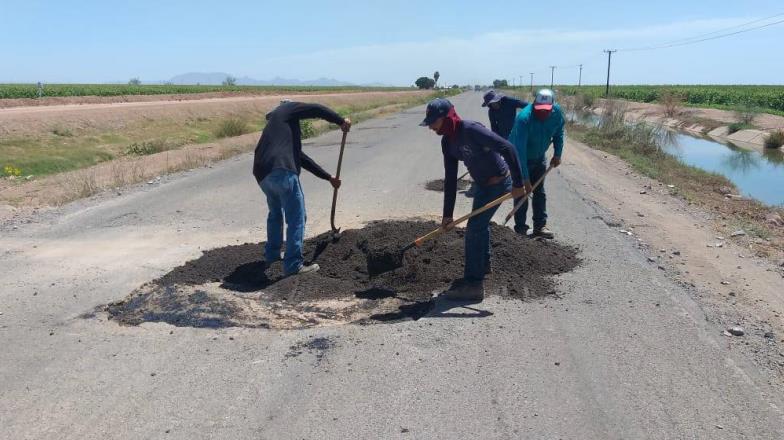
(523, 199)
(384, 260)
(336, 231)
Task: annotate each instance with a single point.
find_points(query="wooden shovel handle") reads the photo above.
(337, 175)
(418, 242)
(523, 199)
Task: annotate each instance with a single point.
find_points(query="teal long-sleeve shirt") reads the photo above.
(531, 137)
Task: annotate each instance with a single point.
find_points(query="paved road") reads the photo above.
(623, 352)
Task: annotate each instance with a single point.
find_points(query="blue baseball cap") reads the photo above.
(491, 97)
(436, 108)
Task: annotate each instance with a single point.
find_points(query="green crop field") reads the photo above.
(764, 98)
(9, 91)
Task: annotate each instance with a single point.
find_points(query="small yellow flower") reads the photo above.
(10, 170)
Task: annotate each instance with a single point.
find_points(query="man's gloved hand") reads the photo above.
(346, 126)
(555, 161)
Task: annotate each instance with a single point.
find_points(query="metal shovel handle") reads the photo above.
(337, 175)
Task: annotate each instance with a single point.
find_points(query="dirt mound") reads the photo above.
(230, 286)
(438, 185)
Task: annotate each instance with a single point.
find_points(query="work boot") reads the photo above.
(306, 269)
(463, 290)
(543, 232)
(523, 230)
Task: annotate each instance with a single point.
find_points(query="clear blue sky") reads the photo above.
(392, 41)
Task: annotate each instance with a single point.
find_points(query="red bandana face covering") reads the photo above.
(449, 127)
(542, 115)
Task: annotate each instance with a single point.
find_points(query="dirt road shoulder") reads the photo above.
(733, 285)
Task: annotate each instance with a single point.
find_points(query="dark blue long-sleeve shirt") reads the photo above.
(484, 153)
(502, 120)
(280, 145)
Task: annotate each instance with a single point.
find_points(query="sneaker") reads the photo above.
(543, 232)
(306, 269)
(463, 290)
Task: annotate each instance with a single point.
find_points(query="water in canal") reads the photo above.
(756, 174)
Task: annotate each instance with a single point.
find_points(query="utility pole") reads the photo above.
(552, 76)
(580, 78)
(532, 83)
(609, 53)
(521, 81)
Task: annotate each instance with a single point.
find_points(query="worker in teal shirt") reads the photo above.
(535, 127)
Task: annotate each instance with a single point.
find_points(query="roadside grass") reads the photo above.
(747, 114)
(737, 108)
(643, 149)
(42, 158)
(63, 149)
(738, 126)
(360, 113)
(145, 148)
(672, 102)
(55, 152)
(231, 127)
(143, 151)
(64, 132)
(775, 139)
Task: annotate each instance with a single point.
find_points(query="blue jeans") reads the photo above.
(535, 170)
(477, 236)
(284, 199)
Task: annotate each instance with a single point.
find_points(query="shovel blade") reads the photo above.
(335, 235)
(382, 261)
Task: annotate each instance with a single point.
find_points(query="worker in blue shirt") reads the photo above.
(535, 127)
(492, 162)
(501, 110)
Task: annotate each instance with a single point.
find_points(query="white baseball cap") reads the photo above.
(544, 100)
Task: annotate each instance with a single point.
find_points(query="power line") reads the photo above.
(697, 39)
(722, 30)
(714, 35)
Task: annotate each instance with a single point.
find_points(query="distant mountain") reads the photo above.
(199, 78)
(216, 78)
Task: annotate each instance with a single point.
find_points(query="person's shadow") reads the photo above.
(249, 277)
(436, 307)
(442, 308)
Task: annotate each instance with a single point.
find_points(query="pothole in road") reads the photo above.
(230, 287)
(438, 185)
